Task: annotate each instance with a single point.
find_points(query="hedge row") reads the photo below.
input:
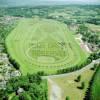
(92, 57)
(89, 89)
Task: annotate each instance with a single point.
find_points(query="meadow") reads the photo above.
(69, 86)
(94, 28)
(43, 45)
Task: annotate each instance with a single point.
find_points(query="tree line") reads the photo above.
(88, 36)
(88, 94)
(92, 57)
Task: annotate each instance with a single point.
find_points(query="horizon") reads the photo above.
(13, 3)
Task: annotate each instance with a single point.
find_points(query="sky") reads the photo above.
(78, 1)
(45, 2)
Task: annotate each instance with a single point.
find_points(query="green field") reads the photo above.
(93, 27)
(43, 45)
(69, 86)
(96, 87)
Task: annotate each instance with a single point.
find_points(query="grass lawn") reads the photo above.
(43, 45)
(69, 86)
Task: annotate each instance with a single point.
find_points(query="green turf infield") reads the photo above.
(43, 45)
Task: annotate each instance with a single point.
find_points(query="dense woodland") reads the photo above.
(77, 14)
(89, 36)
(6, 25)
(30, 87)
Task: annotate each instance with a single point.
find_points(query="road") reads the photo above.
(77, 71)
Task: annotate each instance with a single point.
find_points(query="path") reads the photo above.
(77, 71)
(55, 93)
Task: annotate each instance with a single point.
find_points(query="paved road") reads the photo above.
(77, 71)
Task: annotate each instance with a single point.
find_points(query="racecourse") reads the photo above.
(43, 45)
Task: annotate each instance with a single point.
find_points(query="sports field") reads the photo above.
(43, 45)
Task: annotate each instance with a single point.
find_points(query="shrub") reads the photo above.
(67, 98)
(82, 86)
(78, 78)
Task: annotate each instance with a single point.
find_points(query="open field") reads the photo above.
(93, 27)
(43, 45)
(68, 87)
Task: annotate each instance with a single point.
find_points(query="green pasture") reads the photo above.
(95, 28)
(43, 45)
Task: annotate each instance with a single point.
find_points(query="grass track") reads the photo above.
(33, 38)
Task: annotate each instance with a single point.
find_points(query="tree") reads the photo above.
(14, 63)
(67, 98)
(82, 86)
(5, 97)
(33, 96)
(1, 93)
(41, 73)
(82, 29)
(78, 78)
(23, 96)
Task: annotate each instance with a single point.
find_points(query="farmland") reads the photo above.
(43, 45)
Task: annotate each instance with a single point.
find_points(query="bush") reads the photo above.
(82, 86)
(41, 73)
(23, 96)
(14, 63)
(78, 78)
(67, 98)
